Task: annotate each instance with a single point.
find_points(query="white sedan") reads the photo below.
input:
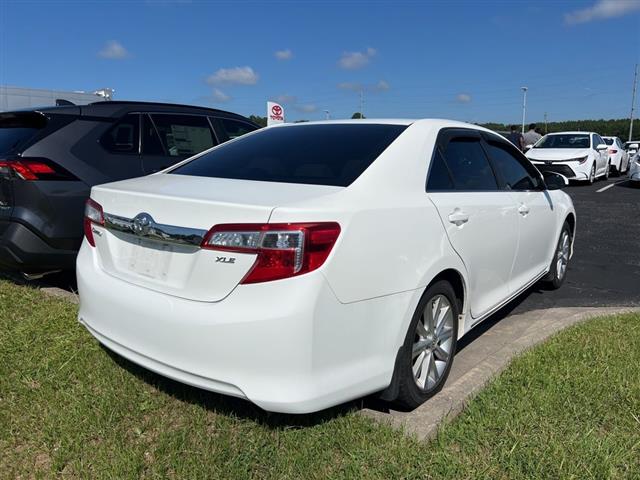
(634, 163)
(576, 155)
(305, 265)
(618, 157)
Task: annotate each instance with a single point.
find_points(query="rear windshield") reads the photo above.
(17, 128)
(565, 140)
(310, 154)
(608, 141)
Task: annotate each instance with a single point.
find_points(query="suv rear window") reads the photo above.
(310, 154)
(17, 128)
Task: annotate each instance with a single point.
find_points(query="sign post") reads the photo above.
(275, 113)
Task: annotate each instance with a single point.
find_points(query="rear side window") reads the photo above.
(469, 165)
(233, 128)
(17, 128)
(608, 141)
(309, 154)
(514, 173)
(124, 136)
(183, 135)
(151, 144)
(439, 178)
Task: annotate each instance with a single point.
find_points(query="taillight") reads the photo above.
(92, 214)
(284, 249)
(34, 169)
(612, 151)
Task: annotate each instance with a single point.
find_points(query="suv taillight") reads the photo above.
(284, 249)
(92, 214)
(34, 169)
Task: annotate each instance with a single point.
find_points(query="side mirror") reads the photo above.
(555, 181)
(633, 146)
(528, 147)
(602, 146)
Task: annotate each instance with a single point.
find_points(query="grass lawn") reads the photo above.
(568, 409)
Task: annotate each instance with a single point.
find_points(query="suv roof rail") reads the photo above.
(62, 102)
(133, 102)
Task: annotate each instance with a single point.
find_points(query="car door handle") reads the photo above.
(523, 210)
(458, 218)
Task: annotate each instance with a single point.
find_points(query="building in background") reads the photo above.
(17, 98)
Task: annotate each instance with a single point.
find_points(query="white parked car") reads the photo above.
(618, 156)
(634, 163)
(305, 265)
(576, 155)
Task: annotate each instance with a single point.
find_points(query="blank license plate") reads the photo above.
(150, 259)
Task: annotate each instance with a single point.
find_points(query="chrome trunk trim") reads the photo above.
(143, 226)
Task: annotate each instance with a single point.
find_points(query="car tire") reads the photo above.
(607, 172)
(592, 174)
(560, 261)
(426, 356)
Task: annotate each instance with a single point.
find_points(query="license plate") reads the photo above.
(150, 259)
(548, 163)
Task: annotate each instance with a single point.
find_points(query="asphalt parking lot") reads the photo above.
(605, 268)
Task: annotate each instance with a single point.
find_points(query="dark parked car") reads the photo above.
(51, 157)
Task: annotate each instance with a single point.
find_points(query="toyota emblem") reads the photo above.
(142, 224)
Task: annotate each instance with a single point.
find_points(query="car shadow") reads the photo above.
(629, 184)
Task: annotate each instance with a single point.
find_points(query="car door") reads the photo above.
(168, 138)
(536, 215)
(480, 219)
(602, 156)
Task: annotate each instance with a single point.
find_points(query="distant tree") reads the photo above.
(609, 128)
(358, 115)
(262, 121)
(301, 121)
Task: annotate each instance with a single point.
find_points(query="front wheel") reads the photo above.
(429, 347)
(560, 261)
(592, 174)
(607, 171)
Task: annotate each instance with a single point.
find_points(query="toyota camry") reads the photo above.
(305, 265)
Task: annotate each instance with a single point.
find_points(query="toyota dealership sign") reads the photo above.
(275, 113)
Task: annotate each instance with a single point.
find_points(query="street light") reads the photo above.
(327, 113)
(524, 105)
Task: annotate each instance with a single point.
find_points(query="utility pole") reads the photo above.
(545, 123)
(633, 102)
(361, 102)
(524, 105)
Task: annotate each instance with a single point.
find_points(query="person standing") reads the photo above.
(531, 137)
(515, 137)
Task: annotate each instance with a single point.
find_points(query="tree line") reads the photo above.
(610, 128)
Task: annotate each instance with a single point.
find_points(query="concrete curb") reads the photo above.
(483, 359)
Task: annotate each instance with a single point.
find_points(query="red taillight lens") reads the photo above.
(284, 249)
(34, 169)
(92, 214)
(613, 151)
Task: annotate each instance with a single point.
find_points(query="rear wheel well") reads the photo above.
(457, 283)
(571, 220)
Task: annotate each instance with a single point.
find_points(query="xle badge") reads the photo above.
(225, 260)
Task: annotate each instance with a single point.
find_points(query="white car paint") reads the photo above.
(307, 342)
(580, 161)
(634, 168)
(618, 157)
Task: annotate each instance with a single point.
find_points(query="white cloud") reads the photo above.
(233, 76)
(356, 87)
(219, 96)
(381, 86)
(113, 50)
(602, 9)
(463, 98)
(307, 108)
(284, 54)
(285, 98)
(355, 60)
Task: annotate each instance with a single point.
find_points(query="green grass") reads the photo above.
(568, 409)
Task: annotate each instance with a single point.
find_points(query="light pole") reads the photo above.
(327, 114)
(524, 105)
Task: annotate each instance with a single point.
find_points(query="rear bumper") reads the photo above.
(287, 346)
(22, 249)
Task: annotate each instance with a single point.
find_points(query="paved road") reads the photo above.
(605, 269)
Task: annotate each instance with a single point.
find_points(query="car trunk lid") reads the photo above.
(154, 226)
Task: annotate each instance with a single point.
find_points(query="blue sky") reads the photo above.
(456, 59)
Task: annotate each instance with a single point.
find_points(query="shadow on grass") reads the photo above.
(232, 406)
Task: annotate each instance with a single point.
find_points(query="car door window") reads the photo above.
(469, 165)
(151, 144)
(183, 135)
(233, 128)
(513, 171)
(439, 177)
(124, 136)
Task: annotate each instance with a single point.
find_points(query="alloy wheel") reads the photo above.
(433, 342)
(562, 255)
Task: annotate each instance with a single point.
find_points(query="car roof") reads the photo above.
(115, 108)
(427, 122)
(573, 132)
